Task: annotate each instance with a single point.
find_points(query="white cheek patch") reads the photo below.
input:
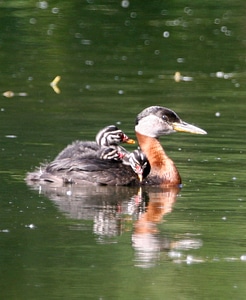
(150, 126)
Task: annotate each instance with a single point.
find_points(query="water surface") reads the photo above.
(116, 58)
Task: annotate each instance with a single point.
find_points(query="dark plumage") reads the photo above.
(107, 138)
(86, 162)
(88, 168)
(137, 160)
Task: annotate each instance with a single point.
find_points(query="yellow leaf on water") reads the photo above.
(54, 83)
(8, 94)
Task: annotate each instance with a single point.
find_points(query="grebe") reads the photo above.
(106, 145)
(138, 162)
(151, 123)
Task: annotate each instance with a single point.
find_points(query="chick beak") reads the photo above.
(130, 141)
(140, 177)
(126, 139)
(139, 172)
(186, 127)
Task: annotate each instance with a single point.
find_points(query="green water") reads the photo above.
(116, 58)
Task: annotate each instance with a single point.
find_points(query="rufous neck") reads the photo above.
(163, 171)
(153, 149)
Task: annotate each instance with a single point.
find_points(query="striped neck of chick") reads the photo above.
(108, 139)
(138, 162)
(112, 136)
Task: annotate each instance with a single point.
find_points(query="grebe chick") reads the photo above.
(105, 146)
(138, 162)
(109, 139)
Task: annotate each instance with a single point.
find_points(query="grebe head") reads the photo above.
(155, 121)
(112, 135)
(138, 162)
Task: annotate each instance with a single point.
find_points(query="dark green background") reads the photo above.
(113, 62)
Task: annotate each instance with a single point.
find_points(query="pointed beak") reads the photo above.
(186, 127)
(130, 141)
(139, 171)
(127, 140)
(140, 177)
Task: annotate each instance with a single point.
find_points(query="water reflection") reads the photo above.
(146, 241)
(117, 209)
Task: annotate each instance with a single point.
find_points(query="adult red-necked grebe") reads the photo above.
(88, 168)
